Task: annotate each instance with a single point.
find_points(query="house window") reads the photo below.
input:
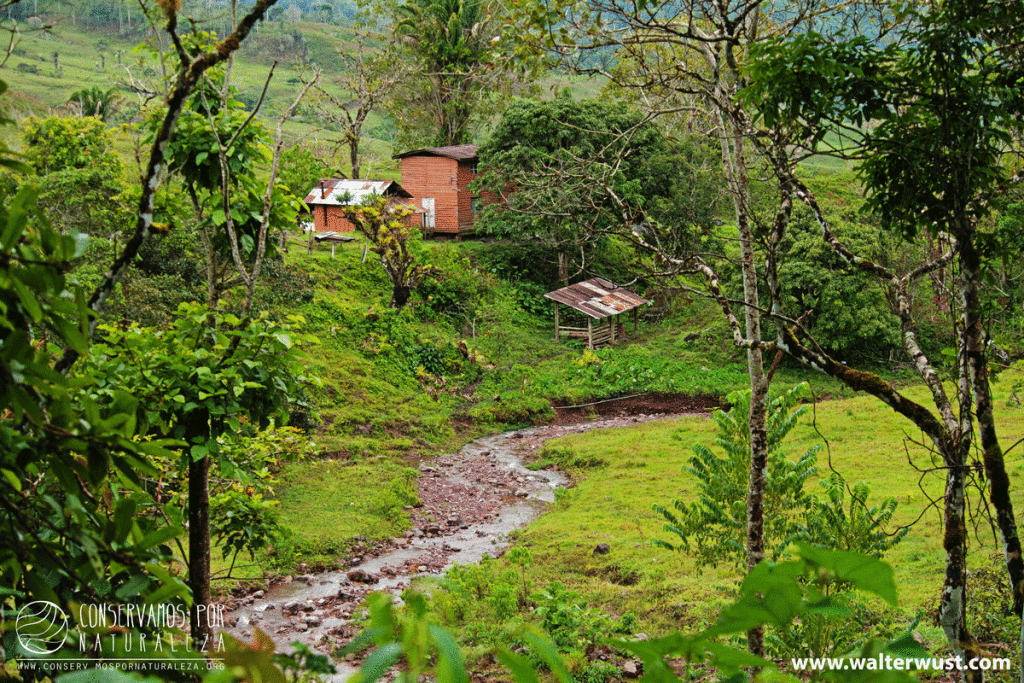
(474, 168)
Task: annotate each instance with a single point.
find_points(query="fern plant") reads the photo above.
(829, 522)
(713, 527)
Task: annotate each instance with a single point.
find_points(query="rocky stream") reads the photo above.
(471, 500)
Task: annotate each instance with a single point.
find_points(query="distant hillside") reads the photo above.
(98, 45)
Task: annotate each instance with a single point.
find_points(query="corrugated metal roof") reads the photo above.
(328, 190)
(597, 298)
(460, 152)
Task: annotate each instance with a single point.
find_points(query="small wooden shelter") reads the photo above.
(599, 300)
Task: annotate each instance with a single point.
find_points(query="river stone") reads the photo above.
(361, 576)
(312, 620)
(291, 607)
(629, 670)
(522, 493)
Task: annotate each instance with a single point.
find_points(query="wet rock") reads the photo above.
(522, 493)
(306, 579)
(602, 549)
(432, 529)
(312, 620)
(258, 594)
(301, 627)
(291, 607)
(361, 576)
(454, 521)
(307, 607)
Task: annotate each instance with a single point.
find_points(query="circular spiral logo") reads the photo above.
(41, 627)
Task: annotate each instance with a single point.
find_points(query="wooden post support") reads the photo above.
(590, 332)
(611, 323)
(556, 321)
(634, 322)
(332, 250)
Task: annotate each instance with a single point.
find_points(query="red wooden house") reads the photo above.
(438, 178)
(330, 194)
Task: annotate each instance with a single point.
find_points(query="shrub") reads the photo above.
(714, 527)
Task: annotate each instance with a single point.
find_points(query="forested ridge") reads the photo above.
(199, 402)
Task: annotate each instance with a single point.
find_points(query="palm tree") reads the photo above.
(102, 104)
(450, 38)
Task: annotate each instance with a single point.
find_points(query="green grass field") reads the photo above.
(613, 504)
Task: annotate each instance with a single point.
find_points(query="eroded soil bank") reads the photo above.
(471, 500)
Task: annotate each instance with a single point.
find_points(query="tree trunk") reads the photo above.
(400, 296)
(953, 601)
(197, 429)
(353, 157)
(563, 268)
(992, 452)
(739, 183)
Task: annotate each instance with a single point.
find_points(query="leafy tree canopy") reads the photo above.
(560, 166)
(82, 188)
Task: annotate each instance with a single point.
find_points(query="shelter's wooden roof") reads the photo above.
(597, 298)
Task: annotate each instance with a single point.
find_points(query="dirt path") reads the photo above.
(471, 501)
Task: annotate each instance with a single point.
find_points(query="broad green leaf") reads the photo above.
(378, 663)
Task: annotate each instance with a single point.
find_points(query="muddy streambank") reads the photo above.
(471, 500)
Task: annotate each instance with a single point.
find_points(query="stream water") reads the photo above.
(472, 499)
(488, 474)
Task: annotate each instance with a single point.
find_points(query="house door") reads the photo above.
(428, 212)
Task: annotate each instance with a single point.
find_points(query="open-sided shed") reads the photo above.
(599, 300)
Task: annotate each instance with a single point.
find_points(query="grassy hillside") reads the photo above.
(474, 354)
(106, 57)
(380, 412)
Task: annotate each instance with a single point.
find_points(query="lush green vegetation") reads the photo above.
(129, 427)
